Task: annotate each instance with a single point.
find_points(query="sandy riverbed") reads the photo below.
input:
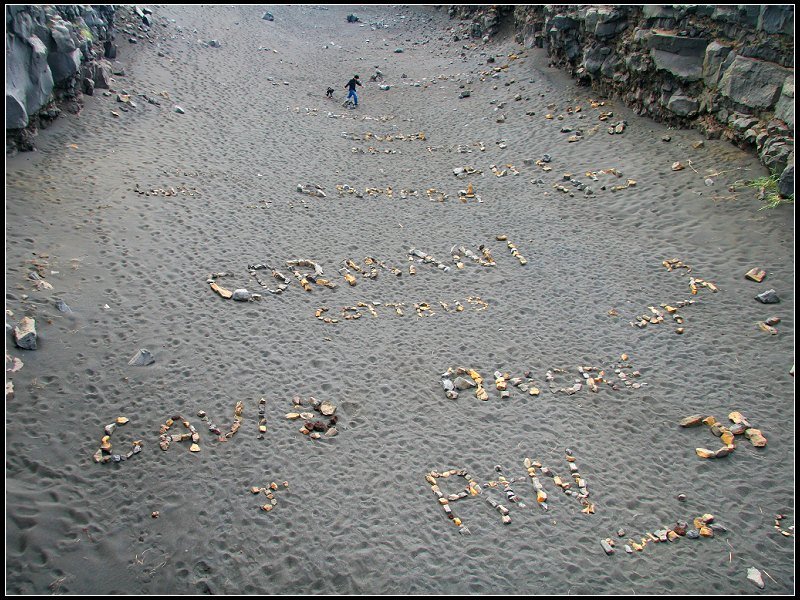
(358, 516)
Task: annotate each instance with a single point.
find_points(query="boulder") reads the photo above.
(784, 109)
(681, 56)
(63, 306)
(29, 81)
(675, 44)
(63, 36)
(572, 49)
(142, 358)
(786, 182)
(753, 83)
(744, 123)
(768, 297)
(774, 154)
(591, 18)
(776, 18)
(609, 24)
(729, 13)
(683, 106)
(64, 65)
(754, 575)
(593, 61)
(715, 55)
(25, 334)
(562, 23)
(101, 74)
(658, 12)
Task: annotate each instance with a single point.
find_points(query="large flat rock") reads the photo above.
(754, 83)
(681, 56)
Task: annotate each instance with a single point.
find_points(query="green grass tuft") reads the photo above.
(767, 187)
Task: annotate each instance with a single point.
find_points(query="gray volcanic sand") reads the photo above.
(358, 516)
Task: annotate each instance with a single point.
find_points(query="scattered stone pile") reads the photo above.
(319, 428)
(104, 455)
(269, 493)
(191, 434)
(726, 434)
(703, 526)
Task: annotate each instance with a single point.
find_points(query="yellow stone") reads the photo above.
(710, 421)
(736, 417)
(262, 428)
(706, 532)
(755, 436)
(194, 448)
(704, 453)
(122, 420)
(222, 291)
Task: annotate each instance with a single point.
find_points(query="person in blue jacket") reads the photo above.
(351, 85)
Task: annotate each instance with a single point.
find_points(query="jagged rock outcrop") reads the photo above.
(51, 55)
(727, 70)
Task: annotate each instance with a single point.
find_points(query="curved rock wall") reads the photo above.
(52, 53)
(727, 70)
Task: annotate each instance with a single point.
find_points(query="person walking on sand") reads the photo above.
(351, 85)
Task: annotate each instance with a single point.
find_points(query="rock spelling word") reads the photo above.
(269, 493)
(726, 434)
(104, 455)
